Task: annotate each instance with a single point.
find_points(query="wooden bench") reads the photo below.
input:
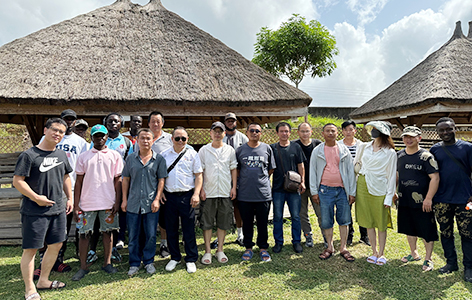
(10, 200)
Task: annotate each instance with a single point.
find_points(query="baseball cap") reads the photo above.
(218, 124)
(230, 115)
(81, 122)
(411, 131)
(98, 128)
(68, 113)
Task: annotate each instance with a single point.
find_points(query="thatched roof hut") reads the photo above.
(134, 59)
(441, 85)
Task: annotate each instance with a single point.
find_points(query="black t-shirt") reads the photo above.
(44, 172)
(307, 151)
(413, 171)
(292, 155)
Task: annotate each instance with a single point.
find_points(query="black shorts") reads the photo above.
(416, 222)
(39, 230)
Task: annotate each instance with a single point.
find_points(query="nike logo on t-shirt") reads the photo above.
(49, 163)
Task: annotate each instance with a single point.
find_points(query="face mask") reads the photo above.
(375, 133)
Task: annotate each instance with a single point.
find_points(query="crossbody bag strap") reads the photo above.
(176, 161)
(455, 160)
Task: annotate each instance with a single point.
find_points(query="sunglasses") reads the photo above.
(178, 138)
(254, 130)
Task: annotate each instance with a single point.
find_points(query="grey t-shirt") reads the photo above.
(254, 165)
(44, 172)
(292, 155)
(144, 180)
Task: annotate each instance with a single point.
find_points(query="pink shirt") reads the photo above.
(331, 175)
(99, 169)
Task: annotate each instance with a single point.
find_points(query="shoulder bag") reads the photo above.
(292, 179)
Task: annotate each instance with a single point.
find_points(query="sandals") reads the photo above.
(33, 296)
(221, 257)
(247, 255)
(206, 259)
(381, 261)
(326, 254)
(428, 265)
(265, 257)
(372, 259)
(55, 285)
(347, 256)
(410, 258)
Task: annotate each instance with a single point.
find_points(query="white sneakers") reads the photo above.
(191, 267)
(171, 265)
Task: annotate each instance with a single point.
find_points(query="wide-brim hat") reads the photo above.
(381, 126)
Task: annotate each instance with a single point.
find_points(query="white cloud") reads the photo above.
(366, 10)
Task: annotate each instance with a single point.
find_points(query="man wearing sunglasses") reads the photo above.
(181, 196)
(255, 165)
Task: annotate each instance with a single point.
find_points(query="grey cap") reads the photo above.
(230, 115)
(81, 122)
(218, 124)
(68, 113)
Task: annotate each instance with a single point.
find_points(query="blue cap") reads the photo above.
(98, 128)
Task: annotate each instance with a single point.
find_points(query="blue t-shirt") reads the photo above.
(454, 183)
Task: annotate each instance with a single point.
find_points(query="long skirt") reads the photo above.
(370, 209)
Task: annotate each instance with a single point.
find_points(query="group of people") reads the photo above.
(147, 178)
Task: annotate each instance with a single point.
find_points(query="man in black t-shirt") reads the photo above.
(418, 181)
(308, 144)
(288, 157)
(41, 174)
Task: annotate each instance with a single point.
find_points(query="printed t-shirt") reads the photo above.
(44, 172)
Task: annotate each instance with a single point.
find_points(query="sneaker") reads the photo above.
(36, 274)
(80, 274)
(349, 240)
(297, 247)
(120, 245)
(163, 251)
(214, 244)
(133, 271)
(468, 275)
(448, 269)
(309, 240)
(240, 241)
(365, 240)
(110, 269)
(171, 265)
(277, 248)
(91, 257)
(191, 267)
(150, 268)
(115, 255)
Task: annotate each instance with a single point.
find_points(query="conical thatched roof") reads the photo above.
(440, 83)
(134, 59)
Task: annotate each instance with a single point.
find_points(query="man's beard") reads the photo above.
(231, 129)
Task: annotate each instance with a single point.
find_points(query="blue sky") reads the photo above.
(379, 40)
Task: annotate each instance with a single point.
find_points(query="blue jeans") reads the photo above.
(329, 198)
(294, 202)
(149, 225)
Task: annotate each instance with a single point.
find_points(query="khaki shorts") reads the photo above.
(219, 208)
(108, 221)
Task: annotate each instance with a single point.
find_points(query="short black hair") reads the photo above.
(253, 123)
(135, 116)
(178, 128)
(329, 124)
(51, 121)
(156, 113)
(146, 130)
(304, 123)
(445, 119)
(348, 123)
(282, 124)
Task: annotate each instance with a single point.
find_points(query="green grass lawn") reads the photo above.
(287, 276)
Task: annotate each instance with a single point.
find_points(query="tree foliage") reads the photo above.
(296, 49)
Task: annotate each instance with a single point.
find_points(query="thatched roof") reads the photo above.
(134, 59)
(440, 83)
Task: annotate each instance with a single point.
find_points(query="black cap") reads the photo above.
(68, 113)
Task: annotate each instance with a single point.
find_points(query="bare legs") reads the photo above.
(382, 241)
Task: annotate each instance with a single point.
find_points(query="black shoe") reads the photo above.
(365, 240)
(277, 248)
(297, 247)
(214, 244)
(349, 240)
(468, 275)
(163, 251)
(448, 269)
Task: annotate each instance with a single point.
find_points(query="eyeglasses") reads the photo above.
(178, 138)
(254, 130)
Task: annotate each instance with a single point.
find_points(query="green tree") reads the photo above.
(296, 49)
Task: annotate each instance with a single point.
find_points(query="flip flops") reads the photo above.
(247, 255)
(372, 259)
(325, 254)
(33, 296)
(55, 285)
(265, 257)
(410, 258)
(381, 261)
(206, 259)
(347, 256)
(428, 265)
(221, 257)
